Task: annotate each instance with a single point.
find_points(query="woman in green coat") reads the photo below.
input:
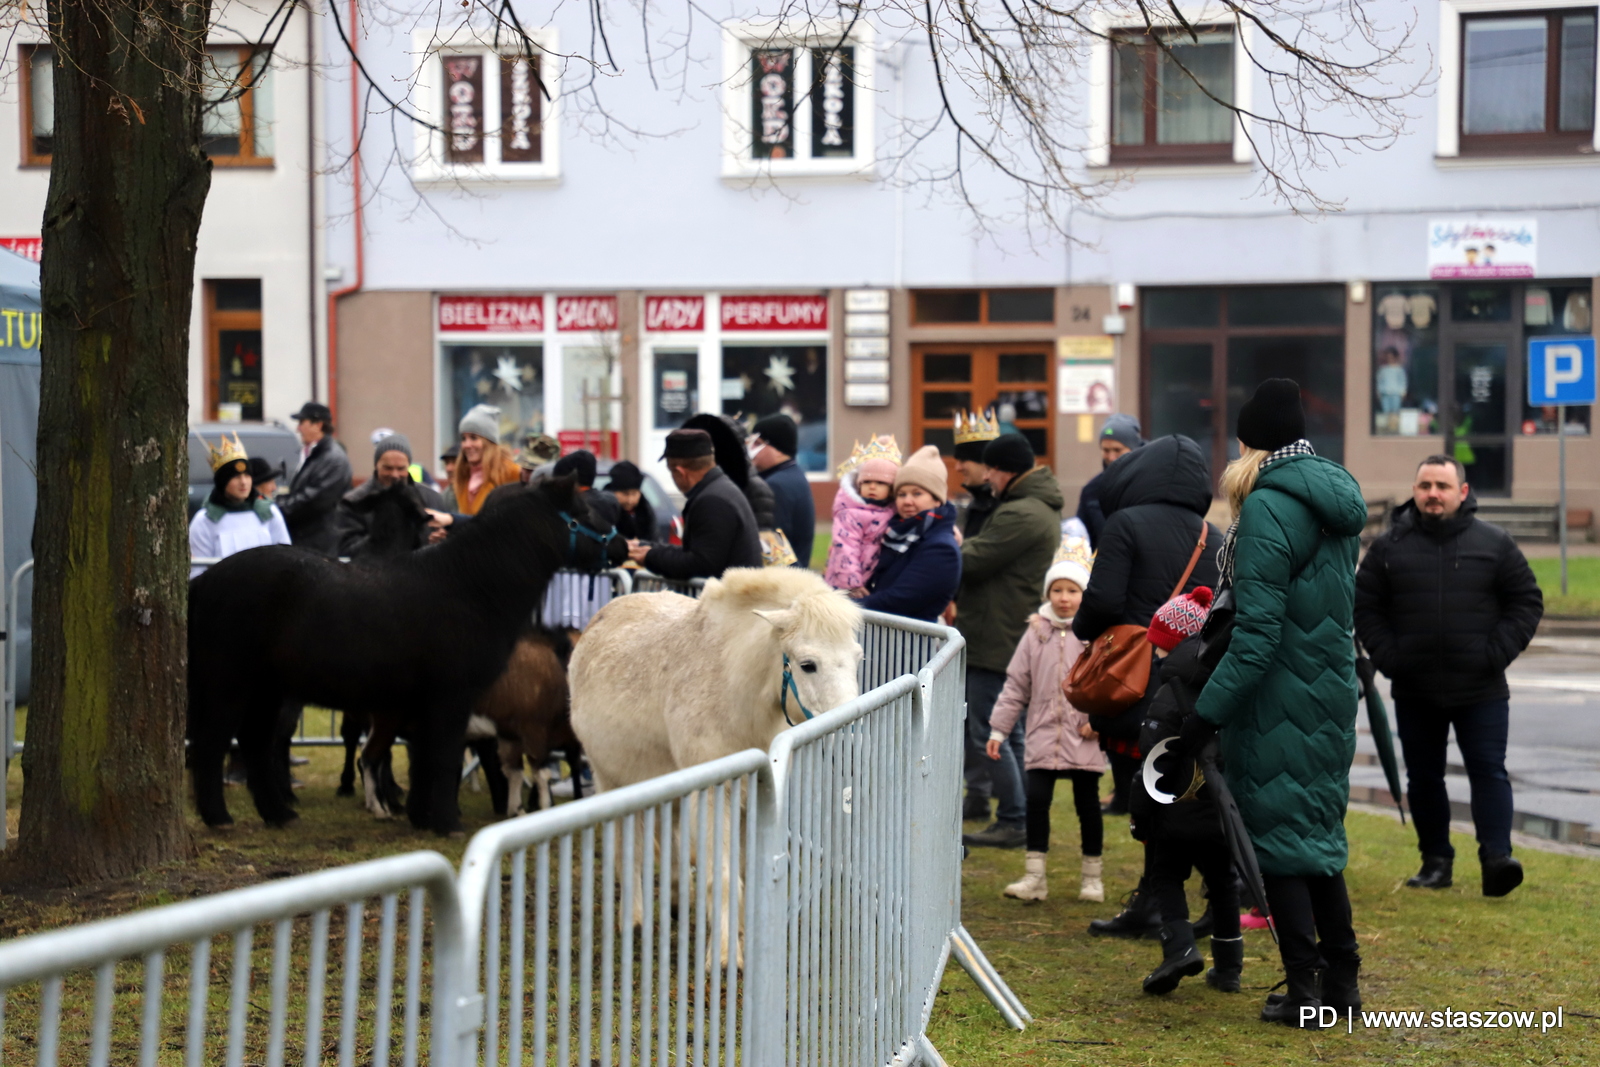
(1285, 693)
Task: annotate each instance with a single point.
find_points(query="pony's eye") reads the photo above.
(809, 667)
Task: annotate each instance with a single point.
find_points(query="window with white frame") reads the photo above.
(486, 112)
(797, 103)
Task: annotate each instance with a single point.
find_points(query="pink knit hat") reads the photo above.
(1180, 617)
(877, 470)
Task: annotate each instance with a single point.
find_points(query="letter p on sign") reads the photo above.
(1561, 370)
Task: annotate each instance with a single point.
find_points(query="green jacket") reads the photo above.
(1002, 568)
(1285, 693)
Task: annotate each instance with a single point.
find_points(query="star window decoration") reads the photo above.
(780, 374)
(509, 373)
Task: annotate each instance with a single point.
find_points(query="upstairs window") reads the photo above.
(236, 120)
(797, 104)
(492, 114)
(1528, 83)
(1158, 111)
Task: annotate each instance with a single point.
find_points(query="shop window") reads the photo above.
(797, 104)
(590, 393)
(1556, 311)
(236, 118)
(1170, 101)
(233, 349)
(762, 380)
(1528, 82)
(510, 377)
(983, 306)
(1204, 352)
(488, 112)
(1405, 360)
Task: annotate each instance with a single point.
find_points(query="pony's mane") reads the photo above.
(824, 612)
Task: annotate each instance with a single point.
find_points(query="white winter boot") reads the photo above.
(1093, 889)
(1032, 886)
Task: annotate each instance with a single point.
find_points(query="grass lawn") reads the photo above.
(819, 550)
(1583, 585)
(1536, 949)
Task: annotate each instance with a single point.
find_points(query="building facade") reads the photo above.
(257, 323)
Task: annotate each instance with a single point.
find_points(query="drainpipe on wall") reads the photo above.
(355, 187)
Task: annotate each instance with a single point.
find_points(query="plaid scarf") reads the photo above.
(1301, 447)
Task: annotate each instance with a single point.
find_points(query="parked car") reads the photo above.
(276, 444)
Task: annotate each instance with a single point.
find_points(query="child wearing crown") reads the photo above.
(862, 510)
(234, 517)
(1060, 743)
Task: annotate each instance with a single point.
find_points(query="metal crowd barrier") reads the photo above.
(645, 582)
(382, 975)
(794, 907)
(574, 597)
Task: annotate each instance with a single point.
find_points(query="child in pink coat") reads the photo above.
(1060, 743)
(862, 510)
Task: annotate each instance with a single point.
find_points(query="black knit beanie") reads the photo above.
(1273, 417)
(969, 451)
(1010, 452)
(625, 475)
(780, 432)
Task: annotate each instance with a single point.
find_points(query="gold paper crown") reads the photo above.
(228, 452)
(1074, 550)
(876, 448)
(976, 426)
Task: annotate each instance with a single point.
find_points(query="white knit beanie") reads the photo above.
(1069, 569)
(483, 420)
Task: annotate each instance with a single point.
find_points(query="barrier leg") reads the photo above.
(973, 961)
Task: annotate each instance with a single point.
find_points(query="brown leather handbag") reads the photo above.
(1113, 671)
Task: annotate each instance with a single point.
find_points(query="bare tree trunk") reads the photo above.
(103, 763)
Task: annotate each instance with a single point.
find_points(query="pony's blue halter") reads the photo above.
(574, 528)
(790, 687)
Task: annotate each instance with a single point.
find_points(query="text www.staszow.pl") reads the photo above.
(1448, 1019)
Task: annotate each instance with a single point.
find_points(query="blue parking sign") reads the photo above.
(1561, 371)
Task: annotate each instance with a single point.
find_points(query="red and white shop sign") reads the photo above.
(774, 313)
(31, 247)
(602, 444)
(586, 313)
(491, 314)
(665, 314)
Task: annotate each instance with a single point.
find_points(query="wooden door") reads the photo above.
(1016, 379)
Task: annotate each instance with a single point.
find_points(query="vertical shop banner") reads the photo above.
(491, 314)
(1483, 248)
(520, 101)
(772, 102)
(575, 313)
(833, 105)
(774, 312)
(463, 103)
(674, 314)
(1086, 377)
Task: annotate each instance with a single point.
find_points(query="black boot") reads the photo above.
(1227, 958)
(1204, 925)
(1138, 918)
(1501, 874)
(1179, 958)
(1341, 990)
(1435, 873)
(998, 835)
(1304, 992)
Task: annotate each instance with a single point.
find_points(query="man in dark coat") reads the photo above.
(796, 510)
(323, 478)
(1118, 437)
(973, 433)
(1001, 573)
(719, 529)
(391, 465)
(1444, 602)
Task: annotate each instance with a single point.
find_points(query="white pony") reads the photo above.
(661, 681)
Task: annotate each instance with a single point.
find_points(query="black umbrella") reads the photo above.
(1378, 723)
(1244, 853)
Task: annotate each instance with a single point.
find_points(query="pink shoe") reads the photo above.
(1252, 920)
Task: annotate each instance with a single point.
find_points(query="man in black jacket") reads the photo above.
(719, 529)
(1118, 437)
(772, 453)
(1444, 602)
(323, 478)
(391, 465)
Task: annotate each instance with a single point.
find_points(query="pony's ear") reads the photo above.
(560, 491)
(780, 618)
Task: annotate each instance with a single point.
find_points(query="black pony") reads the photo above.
(420, 637)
